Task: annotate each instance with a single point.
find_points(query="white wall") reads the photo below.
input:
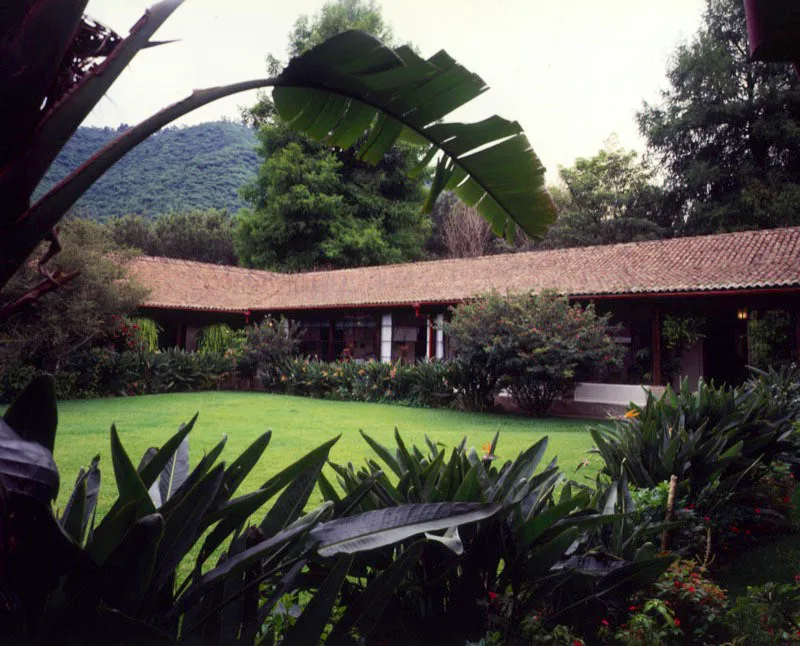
(616, 394)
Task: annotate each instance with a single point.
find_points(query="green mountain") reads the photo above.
(178, 168)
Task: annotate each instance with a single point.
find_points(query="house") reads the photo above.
(395, 311)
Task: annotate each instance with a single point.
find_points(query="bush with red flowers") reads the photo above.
(698, 603)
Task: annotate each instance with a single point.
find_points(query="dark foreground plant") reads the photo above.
(81, 577)
(537, 554)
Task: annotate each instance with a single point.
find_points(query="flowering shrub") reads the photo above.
(538, 346)
(697, 603)
(125, 335)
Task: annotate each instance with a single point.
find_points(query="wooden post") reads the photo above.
(655, 350)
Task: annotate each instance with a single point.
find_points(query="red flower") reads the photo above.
(604, 622)
(633, 608)
(677, 584)
(677, 622)
(691, 588)
(492, 596)
(757, 510)
(706, 518)
(734, 529)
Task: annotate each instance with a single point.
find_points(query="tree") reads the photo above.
(48, 333)
(313, 206)
(726, 131)
(606, 199)
(203, 236)
(460, 231)
(134, 232)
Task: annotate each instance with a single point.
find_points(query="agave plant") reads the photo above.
(525, 557)
(57, 64)
(81, 576)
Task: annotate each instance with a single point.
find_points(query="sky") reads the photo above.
(572, 72)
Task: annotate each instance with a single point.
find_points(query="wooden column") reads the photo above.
(655, 347)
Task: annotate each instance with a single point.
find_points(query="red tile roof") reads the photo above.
(747, 260)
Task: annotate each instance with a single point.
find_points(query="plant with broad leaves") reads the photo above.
(117, 576)
(538, 551)
(57, 65)
(713, 438)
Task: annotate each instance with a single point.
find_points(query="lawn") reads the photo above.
(298, 424)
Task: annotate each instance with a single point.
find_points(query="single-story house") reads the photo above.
(395, 311)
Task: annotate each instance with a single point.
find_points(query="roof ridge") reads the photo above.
(555, 252)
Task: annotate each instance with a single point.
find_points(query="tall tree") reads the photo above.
(312, 206)
(605, 199)
(727, 131)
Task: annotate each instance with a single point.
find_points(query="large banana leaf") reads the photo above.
(338, 91)
(352, 83)
(374, 529)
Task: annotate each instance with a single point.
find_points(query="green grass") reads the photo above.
(298, 424)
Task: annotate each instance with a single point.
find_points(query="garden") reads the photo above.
(279, 515)
(367, 502)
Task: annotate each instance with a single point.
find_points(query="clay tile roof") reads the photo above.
(183, 284)
(746, 260)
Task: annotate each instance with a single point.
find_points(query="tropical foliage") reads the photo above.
(539, 552)
(63, 580)
(712, 439)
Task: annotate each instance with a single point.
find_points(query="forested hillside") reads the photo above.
(179, 168)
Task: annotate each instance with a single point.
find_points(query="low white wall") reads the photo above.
(617, 394)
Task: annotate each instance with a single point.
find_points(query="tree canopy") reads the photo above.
(312, 206)
(726, 133)
(205, 236)
(607, 198)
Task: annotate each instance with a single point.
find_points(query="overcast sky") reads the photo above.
(572, 72)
